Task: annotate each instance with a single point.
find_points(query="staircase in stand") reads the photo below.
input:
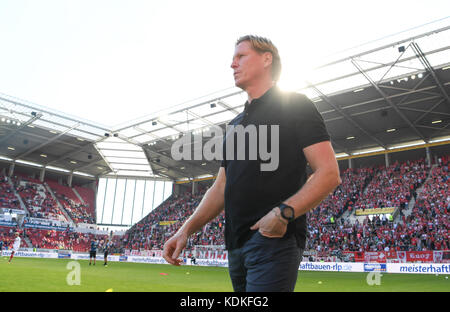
(412, 202)
(22, 204)
(60, 206)
(78, 195)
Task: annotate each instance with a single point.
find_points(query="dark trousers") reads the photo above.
(265, 264)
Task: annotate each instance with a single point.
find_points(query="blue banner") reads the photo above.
(5, 223)
(374, 267)
(46, 227)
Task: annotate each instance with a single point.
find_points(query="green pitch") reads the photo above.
(51, 275)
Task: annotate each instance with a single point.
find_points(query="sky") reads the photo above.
(114, 61)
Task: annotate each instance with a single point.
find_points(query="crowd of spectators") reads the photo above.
(38, 201)
(78, 211)
(377, 234)
(393, 186)
(7, 197)
(426, 228)
(164, 221)
(7, 236)
(429, 219)
(66, 240)
(41, 205)
(88, 196)
(373, 187)
(161, 223)
(343, 198)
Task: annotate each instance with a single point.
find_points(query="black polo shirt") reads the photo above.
(250, 193)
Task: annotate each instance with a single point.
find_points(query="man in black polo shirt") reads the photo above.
(265, 198)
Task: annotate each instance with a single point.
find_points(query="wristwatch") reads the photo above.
(287, 212)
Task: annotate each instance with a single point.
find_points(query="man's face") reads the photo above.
(248, 65)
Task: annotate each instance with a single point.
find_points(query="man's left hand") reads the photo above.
(272, 225)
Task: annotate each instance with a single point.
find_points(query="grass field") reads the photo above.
(50, 275)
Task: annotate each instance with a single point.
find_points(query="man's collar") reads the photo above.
(267, 95)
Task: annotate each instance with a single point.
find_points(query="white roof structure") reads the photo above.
(407, 77)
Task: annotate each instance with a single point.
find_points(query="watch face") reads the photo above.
(287, 212)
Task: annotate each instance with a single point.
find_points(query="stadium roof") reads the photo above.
(387, 97)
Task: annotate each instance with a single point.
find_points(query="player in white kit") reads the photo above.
(16, 246)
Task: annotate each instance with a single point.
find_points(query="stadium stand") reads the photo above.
(44, 224)
(7, 235)
(429, 222)
(424, 230)
(67, 240)
(165, 220)
(343, 198)
(88, 196)
(38, 201)
(330, 229)
(393, 186)
(7, 196)
(351, 219)
(78, 211)
(331, 226)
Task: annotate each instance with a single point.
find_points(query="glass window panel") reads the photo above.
(168, 190)
(138, 201)
(332, 71)
(130, 166)
(92, 130)
(119, 146)
(148, 197)
(434, 42)
(165, 132)
(100, 198)
(225, 116)
(142, 138)
(143, 161)
(310, 93)
(236, 100)
(131, 173)
(440, 58)
(203, 109)
(148, 126)
(174, 118)
(113, 139)
(118, 204)
(108, 153)
(158, 194)
(197, 124)
(84, 135)
(381, 57)
(49, 125)
(129, 132)
(343, 84)
(109, 202)
(128, 206)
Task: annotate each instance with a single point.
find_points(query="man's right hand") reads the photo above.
(173, 248)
